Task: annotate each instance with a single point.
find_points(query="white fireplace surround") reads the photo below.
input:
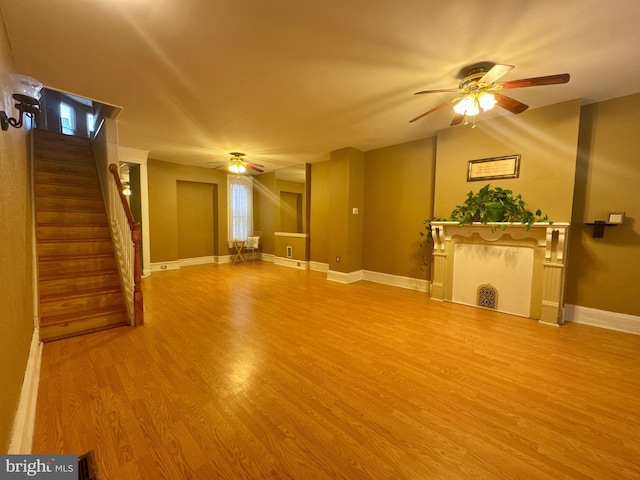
(525, 265)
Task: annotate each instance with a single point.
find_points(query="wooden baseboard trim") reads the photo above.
(620, 322)
(25, 419)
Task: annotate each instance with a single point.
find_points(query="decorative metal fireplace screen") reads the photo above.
(487, 296)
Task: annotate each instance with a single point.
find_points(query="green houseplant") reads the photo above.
(490, 205)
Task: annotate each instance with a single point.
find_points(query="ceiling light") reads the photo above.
(487, 101)
(27, 94)
(237, 167)
(467, 106)
(471, 104)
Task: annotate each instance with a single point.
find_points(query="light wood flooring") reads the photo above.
(255, 371)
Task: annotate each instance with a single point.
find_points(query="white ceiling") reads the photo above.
(288, 81)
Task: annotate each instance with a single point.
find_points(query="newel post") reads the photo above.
(138, 304)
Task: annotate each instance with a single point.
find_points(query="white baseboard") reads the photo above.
(290, 262)
(396, 280)
(342, 277)
(620, 322)
(25, 419)
(162, 266)
(186, 262)
(268, 257)
(319, 267)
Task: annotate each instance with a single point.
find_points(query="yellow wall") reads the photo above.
(320, 211)
(546, 138)
(346, 176)
(287, 209)
(398, 198)
(603, 272)
(163, 207)
(265, 207)
(196, 204)
(16, 291)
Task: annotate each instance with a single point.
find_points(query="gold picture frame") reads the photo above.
(492, 168)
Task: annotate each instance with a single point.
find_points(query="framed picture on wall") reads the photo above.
(491, 168)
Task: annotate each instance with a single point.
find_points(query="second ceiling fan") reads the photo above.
(237, 164)
(479, 90)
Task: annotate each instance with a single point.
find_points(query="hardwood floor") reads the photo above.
(259, 371)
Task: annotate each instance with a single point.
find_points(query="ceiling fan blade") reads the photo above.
(457, 120)
(496, 72)
(511, 104)
(440, 90)
(537, 81)
(442, 105)
(254, 168)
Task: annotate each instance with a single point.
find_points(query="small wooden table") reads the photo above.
(238, 245)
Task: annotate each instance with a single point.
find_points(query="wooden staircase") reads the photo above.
(79, 283)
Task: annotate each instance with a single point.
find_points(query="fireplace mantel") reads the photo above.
(529, 261)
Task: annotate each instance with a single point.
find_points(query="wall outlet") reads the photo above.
(355, 210)
(337, 259)
(289, 251)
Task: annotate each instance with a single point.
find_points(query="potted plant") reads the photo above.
(491, 205)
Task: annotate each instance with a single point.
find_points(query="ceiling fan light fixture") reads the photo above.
(467, 106)
(487, 101)
(236, 168)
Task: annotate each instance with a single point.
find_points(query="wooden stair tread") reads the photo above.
(88, 273)
(81, 315)
(58, 258)
(90, 292)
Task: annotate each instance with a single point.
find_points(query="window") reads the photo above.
(240, 213)
(67, 119)
(90, 124)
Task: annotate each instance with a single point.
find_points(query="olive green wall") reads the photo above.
(286, 215)
(602, 273)
(547, 140)
(320, 211)
(398, 198)
(163, 207)
(196, 215)
(16, 290)
(347, 192)
(265, 207)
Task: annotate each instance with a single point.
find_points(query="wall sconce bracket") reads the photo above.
(25, 105)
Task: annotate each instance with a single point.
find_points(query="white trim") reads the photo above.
(220, 259)
(342, 277)
(268, 257)
(186, 262)
(291, 262)
(288, 234)
(620, 322)
(396, 280)
(25, 419)
(319, 267)
(162, 266)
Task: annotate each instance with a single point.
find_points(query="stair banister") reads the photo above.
(136, 237)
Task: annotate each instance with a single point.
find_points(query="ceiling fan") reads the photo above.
(479, 90)
(237, 164)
